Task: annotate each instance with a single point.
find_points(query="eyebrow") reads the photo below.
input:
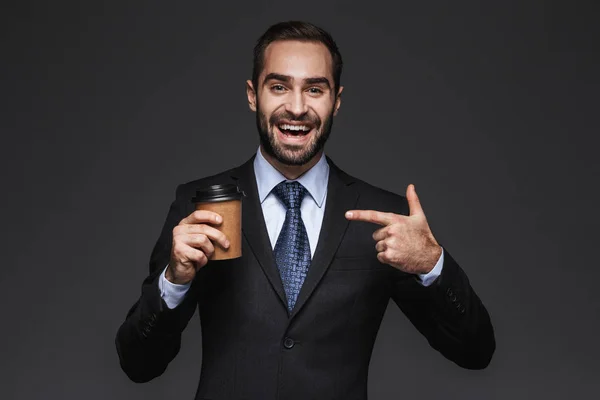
(286, 78)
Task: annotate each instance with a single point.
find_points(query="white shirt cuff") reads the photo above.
(428, 278)
(171, 293)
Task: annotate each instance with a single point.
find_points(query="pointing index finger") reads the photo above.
(375, 217)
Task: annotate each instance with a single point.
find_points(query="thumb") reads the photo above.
(414, 205)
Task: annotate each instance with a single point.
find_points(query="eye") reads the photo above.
(278, 88)
(315, 90)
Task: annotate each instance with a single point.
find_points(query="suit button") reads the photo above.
(449, 292)
(288, 343)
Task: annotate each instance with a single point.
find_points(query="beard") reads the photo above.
(289, 154)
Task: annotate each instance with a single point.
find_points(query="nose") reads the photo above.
(297, 105)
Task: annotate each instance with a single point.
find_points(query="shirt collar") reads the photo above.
(314, 180)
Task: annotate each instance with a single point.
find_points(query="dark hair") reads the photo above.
(295, 30)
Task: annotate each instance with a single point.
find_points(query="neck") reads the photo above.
(291, 172)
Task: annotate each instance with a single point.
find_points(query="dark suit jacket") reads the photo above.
(253, 348)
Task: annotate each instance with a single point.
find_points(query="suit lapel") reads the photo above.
(341, 197)
(254, 228)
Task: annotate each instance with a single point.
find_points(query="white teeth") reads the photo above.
(295, 127)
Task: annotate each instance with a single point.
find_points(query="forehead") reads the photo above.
(298, 59)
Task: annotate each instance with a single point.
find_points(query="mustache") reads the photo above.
(285, 115)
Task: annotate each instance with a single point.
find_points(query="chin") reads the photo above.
(295, 154)
(293, 159)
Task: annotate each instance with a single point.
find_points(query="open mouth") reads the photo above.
(294, 130)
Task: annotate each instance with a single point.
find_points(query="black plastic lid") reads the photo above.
(213, 193)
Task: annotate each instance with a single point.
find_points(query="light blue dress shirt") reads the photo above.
(312, 210)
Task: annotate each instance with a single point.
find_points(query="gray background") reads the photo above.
(490, 108)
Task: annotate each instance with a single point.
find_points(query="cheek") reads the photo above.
(323, 109)
(268, 105)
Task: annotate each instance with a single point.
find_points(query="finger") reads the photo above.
(414, 204)
(202, 216)
(381, 233)
(199, 241)
(199, 257)
(381, 246)
(214, 234)
(184, 254)
(375, 217)
(381, 258)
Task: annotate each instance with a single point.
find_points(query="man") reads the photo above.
(279, 327)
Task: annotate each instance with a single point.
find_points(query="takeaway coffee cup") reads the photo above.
(225, 200)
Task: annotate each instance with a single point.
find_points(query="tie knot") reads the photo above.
(290, 194)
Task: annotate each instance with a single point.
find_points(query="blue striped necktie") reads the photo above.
(292, 250)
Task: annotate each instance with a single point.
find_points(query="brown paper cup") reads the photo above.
(231, 211)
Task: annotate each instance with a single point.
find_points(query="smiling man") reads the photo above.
(295, 98)
(297, 315)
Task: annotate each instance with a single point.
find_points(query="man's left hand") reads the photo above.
(404, 242)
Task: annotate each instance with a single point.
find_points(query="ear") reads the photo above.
(338, 100)
(251, 93)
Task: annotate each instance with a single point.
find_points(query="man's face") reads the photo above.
(294, 100)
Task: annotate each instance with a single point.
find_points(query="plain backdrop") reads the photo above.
(489, 108)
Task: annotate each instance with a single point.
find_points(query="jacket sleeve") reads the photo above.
(150, 336)
(449, 314)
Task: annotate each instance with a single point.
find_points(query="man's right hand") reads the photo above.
(193, 245)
